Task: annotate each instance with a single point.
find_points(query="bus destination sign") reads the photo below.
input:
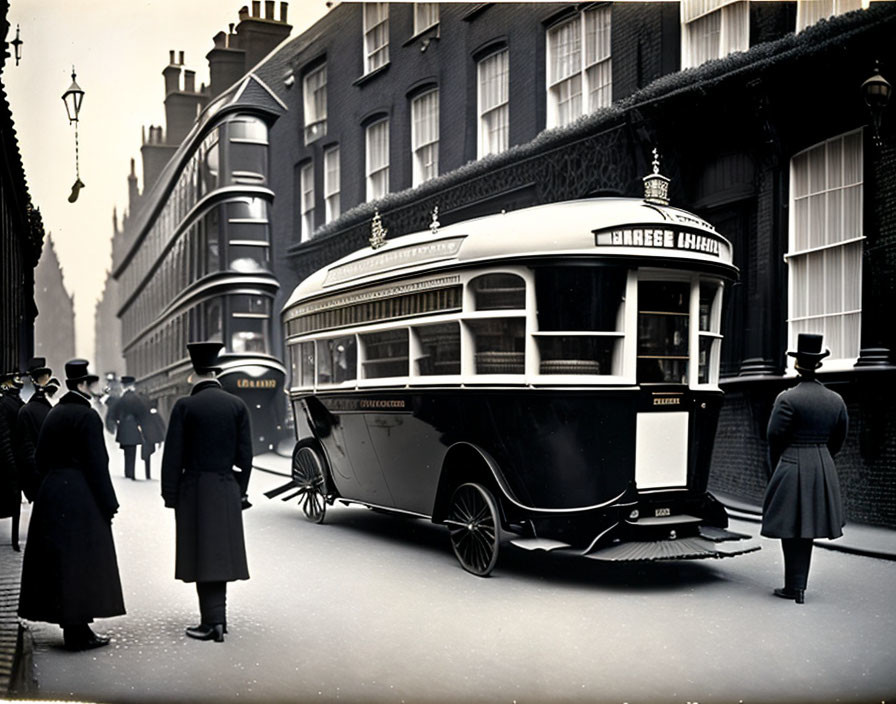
(660, 238)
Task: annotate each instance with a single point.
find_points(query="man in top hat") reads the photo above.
(70, 569)
(29, 421)
(802, 502)
(127, 412)
(205, 477)
(10, 482)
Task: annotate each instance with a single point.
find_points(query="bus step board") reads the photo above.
(681, 549)
(545, 544)
(720, 535)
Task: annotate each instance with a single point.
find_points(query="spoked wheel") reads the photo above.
(308, 475)
(472, 522)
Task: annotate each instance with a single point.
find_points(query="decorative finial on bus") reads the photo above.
(377, 231)
(434, 225)
(656, 186)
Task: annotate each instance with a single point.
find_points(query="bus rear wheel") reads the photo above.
(308, 475)
(472, 522)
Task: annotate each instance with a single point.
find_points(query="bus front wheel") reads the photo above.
(308, 475)
(472, 522)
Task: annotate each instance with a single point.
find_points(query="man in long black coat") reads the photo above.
(127, 412)
(208, 438)
(70, 570)
(806, 430)
(28, 424)
(10, 482)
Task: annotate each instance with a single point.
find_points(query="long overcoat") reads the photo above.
(806, 430)
(10, 487)
(70, 569)
(208, 436)
(28, 424)
(128, 411)
(153, 427)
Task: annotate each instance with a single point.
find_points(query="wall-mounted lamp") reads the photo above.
(73, 98)
(876, 92)
(17, 46)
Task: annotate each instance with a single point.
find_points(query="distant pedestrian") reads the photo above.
(127, 412)
(807, 428)
(28, 424)
(153, 428)
(10, 482)
(205, 476)
(70, 570)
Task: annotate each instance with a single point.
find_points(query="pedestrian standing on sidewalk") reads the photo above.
(28, 424)
(10, 486)
(802, 502)
(153, 428)
(127, 412)
(205, 476)
(70, 570)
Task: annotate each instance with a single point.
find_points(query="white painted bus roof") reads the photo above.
(553, 229)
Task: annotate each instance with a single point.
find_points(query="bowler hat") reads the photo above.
(204, 356)
(808, 349)
(127, 379)
(37, 366)
(6, 376)
(76, 372)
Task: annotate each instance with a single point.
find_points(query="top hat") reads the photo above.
(76, 372)
(127, 379)
(12, 374)
(37, 366)
(808, 349)
(204, 356)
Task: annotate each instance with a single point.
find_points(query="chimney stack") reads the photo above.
(189, 81)
(172, 75)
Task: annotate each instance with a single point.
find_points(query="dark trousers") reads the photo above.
(797, 556)
(130, 458)
(16, 514)
(212, 602)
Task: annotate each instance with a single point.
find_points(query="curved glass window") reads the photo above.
(245, 128)
(246, 258)
(499, 292)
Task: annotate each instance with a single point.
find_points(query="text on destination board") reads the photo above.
(658, 237)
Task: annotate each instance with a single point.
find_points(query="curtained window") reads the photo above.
(808, 12)
(494, 102)
(711, 29)
(307, 187)
(315, 93)
(376, 35)
(377, 159)
(825, 245)
(580, 77)
(425, 136)
(426, 15)
(331, 184)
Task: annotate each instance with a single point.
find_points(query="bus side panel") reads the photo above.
(703, 434)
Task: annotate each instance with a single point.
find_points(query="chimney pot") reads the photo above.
(269, 9)
(181, 58)
(171, 56)
(220, 40)
(283, 7)
(231, 27)
(189, 81)
(244, 13)
(256, 8)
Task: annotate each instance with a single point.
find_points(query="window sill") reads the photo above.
(426, 35)
(371, 75)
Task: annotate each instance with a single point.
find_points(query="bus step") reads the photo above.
(681, 549)
(545, 544)
(720, 535)
(681, 519)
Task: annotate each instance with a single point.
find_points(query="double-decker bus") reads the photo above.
(546, 377)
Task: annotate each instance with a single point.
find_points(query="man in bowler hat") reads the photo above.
(70, 569)
(205, 477)
(10, 481)
(802, 502)
(128, 412)
(28, 424)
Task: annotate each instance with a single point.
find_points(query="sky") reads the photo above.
(118, 49)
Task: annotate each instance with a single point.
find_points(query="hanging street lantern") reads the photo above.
(73, 98)
(17, 45)
(876, 93)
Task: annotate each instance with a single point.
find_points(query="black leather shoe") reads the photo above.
(88, 642)
(205, 631)
(798, 595)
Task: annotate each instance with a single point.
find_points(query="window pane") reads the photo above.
(561, 291)
(499, 345)
(663, 309)
(576, 355)
(306, 363)
(337, 360)
(499, 292)
(440, 346)
(385, 354)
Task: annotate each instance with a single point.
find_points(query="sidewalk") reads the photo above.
(858, 539)
(15, 650)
